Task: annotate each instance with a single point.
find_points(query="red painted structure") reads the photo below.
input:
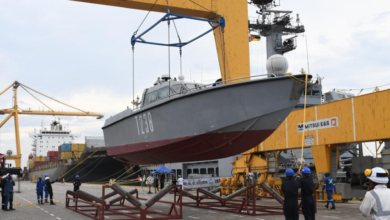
(98, 208)
(200, 147)
(243, 201)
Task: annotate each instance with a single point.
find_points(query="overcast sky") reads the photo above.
(80, 54)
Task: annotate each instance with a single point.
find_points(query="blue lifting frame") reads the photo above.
(172, 16)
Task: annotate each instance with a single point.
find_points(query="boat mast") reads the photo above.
(274, 24)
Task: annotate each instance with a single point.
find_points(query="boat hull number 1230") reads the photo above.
(144, 123)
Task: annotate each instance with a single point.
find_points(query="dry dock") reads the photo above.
(26, 207)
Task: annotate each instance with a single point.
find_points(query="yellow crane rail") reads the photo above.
(363, 118)
(358, 119)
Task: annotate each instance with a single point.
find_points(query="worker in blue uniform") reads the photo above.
(9, 184)
(46, 190)
(307, 194)
(39, 190)
(329, 185)
(290, 189)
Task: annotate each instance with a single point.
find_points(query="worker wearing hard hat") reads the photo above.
(39, 190)
(46, 190)
(8, 187)
(49, 188)
(377, 199)
(307, 194)
(290, 189)
(329, 185)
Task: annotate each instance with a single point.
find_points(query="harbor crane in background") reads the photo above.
(15, 111)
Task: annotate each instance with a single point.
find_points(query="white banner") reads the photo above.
(201, 182)
(319, 124)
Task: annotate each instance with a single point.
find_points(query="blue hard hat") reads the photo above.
(46, 175)
(289, 172)
(40, 177)
(306, 170)
(77, 176)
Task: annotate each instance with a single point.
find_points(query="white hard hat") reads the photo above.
(46, 178)
(378, 175)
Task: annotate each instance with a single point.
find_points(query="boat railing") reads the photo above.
(202, 87)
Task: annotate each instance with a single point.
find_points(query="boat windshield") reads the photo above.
(156, 95)
(192, 86)
(150, 97)
(179, 89)
(163, 93)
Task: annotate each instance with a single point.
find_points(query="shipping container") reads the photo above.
(66, 148)
(39, 163)
(52, 154)
(40, 159)
(66, 155)
(77, 147)
(53, 159)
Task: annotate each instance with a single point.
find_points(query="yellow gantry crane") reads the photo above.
(231, 43)
(15, 111)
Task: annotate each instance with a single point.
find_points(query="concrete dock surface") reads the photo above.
(27, 208)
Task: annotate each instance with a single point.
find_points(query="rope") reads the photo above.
(180, 50)
(367, 88)
(135, 33)
(124, 178)
(223, 52)
(92, 168)
(304, 119)
(84, 168)
(133, 78)
(80, 163)
(205, 8)
(169, 53)
(100, 180)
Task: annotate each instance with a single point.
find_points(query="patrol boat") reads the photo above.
(184, 121)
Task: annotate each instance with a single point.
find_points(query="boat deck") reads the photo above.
(26, 207)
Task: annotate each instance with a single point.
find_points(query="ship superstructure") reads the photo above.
(48, 139)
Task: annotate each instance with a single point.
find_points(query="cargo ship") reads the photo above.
(55, 153)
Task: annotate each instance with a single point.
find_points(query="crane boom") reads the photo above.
(15, 112)
(232, 43)
(28, 112)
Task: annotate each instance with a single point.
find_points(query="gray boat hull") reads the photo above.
(209, 124)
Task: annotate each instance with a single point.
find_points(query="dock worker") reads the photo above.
(9, 184)
(76, 183)
(156, 184)
(290, 189)
(46, 190)
(330, 186)
(180, 181)
(377, 199)
(307, 194)
(49, 189)
(39, 190)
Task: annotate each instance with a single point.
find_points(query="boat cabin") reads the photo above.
(335, 95)
(165, 87)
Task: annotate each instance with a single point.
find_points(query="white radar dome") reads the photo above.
(277, 65)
